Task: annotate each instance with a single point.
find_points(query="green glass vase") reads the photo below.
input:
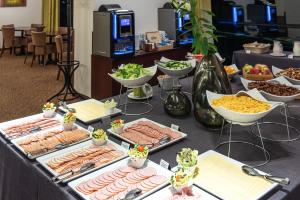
(177, 103)
(206, 78)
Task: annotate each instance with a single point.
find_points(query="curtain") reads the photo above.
(51, 15)
(203, 5)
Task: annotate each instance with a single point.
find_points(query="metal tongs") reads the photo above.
(164, 140)
(61, 177)
(61, 146)
(64, 105)
(252, 172)
(132, 194)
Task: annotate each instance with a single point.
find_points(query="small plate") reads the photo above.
(132, 96)
(278, 55)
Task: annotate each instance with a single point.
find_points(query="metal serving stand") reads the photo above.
(230, 141)
(284, 112)
(125, 110)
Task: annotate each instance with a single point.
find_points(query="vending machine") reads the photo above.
(114, 31)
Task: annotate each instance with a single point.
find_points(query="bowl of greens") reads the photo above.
(133, 75)
(175, 68)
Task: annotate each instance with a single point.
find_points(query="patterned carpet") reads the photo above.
(23, 90)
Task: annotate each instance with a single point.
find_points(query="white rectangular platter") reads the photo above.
(16, 141)
(183, 135)
(167, 194)
(160, 171)
(90, 110)
(217, 170)
(23, 120)
(44, 159)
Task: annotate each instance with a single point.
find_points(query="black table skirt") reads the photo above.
(22, 179)
(240, 58)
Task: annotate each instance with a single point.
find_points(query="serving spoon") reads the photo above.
(86, 167)
(132, 194)
(64, 105)
(252, 172)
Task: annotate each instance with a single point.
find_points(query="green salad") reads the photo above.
(100, 134)
(139, 151)
(177, 65)
(181, 178)
(131, 71)
(187, 157)
(69, 117)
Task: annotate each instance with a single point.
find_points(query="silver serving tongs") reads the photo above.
(68, 174)
(164, 140)
(64, 105)
(252, 172)
(132, 194)
(61, 146)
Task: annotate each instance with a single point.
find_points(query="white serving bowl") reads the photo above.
(244, 119)
(177, 73)
(137, 82)
(272, 97)
(98, 142)
(236, 71)
(118, 130)
(68, 126)
(137, 162)
(276, 70)
(49, 113)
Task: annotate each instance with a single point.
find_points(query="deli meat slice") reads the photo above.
(25, 128)
(148, 133)
(36, 144)
(109, 186)
(100, 155)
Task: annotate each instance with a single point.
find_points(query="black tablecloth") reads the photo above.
(240, 58)
(21, 179)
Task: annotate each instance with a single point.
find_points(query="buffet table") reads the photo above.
(22, 179)
(240, 58)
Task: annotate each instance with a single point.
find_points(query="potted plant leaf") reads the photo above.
(210, 73)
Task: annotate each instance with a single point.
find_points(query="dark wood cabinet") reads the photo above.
(103, 86)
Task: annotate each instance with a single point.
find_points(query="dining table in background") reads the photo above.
(241, 58)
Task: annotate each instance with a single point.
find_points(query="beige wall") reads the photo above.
(21, 16)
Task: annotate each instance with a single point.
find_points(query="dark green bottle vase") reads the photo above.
(177, 103)
(206, 78)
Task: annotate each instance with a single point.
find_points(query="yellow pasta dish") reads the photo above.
(242, 104)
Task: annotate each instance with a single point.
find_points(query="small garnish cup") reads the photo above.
(49, 113)
(99, 142)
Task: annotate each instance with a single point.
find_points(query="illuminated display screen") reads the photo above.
(125, 22)
(186, 17)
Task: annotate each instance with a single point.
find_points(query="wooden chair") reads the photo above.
(37, 27)
(10, 41)
(40, 46)
(8, 25)
(61, 49)
(29, 44)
